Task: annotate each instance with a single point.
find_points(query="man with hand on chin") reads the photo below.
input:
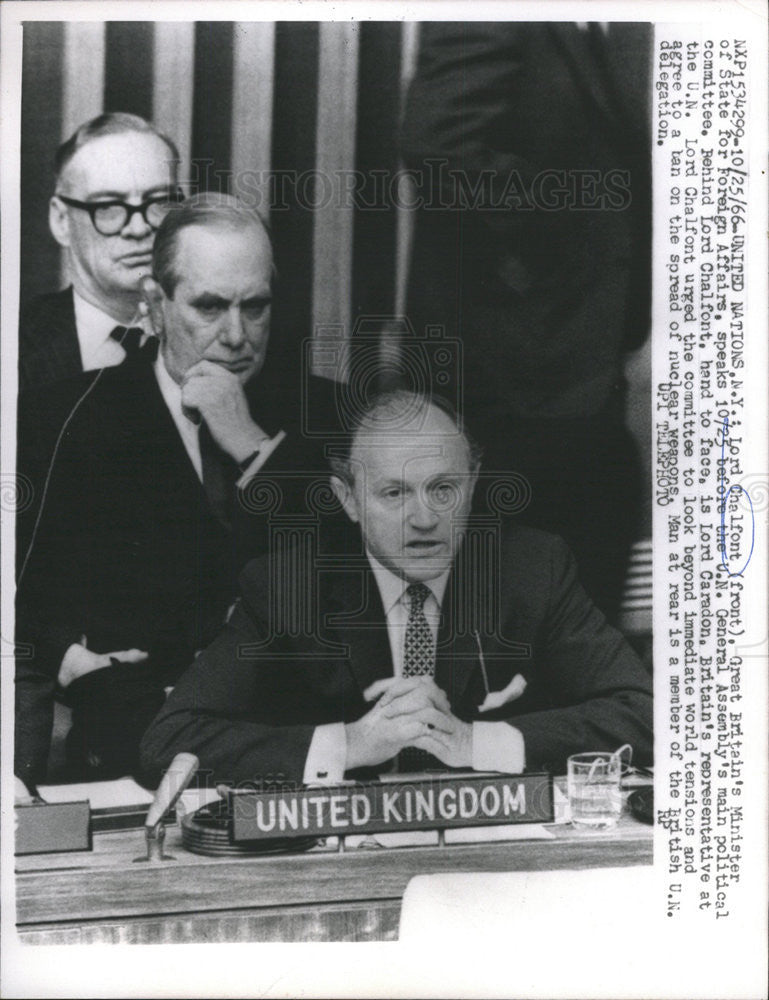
(442, 645)
(166, 477)
(209, 304)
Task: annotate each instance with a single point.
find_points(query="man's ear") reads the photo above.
(58, 221)
(153, 297)
(345, 496)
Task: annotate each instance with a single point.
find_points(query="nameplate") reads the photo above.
(431, 804)
(45, 828)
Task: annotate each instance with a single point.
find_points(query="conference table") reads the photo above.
(106, 896)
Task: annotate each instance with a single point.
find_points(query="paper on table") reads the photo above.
(101, 794)
(487, 834)
(404, 838)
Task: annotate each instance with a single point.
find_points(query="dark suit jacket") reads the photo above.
(128, 551)
(48, 346)
(544, 286)
(249, 704)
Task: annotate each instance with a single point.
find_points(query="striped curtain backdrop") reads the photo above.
(279, 113)
(282, 114)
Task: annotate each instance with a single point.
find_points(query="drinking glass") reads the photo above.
(593, 787)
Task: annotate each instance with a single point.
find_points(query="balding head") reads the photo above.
(408, 480)
(110, 123)
(209, 210)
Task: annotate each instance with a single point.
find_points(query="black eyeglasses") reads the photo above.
(110, 217)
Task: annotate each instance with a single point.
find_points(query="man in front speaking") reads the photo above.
(424, 655)
(164, 482)
(116, 177)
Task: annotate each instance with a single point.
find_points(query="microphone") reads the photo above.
(178, 775)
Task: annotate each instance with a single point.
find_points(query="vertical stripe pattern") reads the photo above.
(405, 219)
(83, 83)
(212, 106)
(82, 90)
(173, 73)
(252, 95)
(293, 160)
(128, 53)
(376, 153)
(42, 77)
(333, 215)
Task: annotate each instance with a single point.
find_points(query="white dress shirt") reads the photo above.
(497, 746)
(97, 347)
(392, 590)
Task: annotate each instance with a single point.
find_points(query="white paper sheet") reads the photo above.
(101, 794)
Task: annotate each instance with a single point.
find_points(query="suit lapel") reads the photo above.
(53, 340)
(457, 652)
(69, 344)
(159, 425)
(354, 613)
(267, 399)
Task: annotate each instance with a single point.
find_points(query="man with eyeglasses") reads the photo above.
(116, 177)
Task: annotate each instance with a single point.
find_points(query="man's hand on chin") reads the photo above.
(217, 395)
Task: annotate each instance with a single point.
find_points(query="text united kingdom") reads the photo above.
(386, 806)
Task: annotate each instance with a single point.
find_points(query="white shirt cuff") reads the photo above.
(265, 450)
(327, 756)
(68, 665)
(498, 746)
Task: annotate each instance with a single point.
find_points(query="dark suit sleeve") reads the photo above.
(458, 107)
(219, 712)
(600, 692)
(34, 718)
(43, 632)
(472, 163)
(49, 351)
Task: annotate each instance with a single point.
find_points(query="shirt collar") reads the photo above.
(93, 321)
(170, 390)
(392, 587)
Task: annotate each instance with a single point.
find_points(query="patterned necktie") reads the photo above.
(220, 474)
(418, 661)
(418, 652)
(129, 338)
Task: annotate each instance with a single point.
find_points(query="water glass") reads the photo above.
(593, 787)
